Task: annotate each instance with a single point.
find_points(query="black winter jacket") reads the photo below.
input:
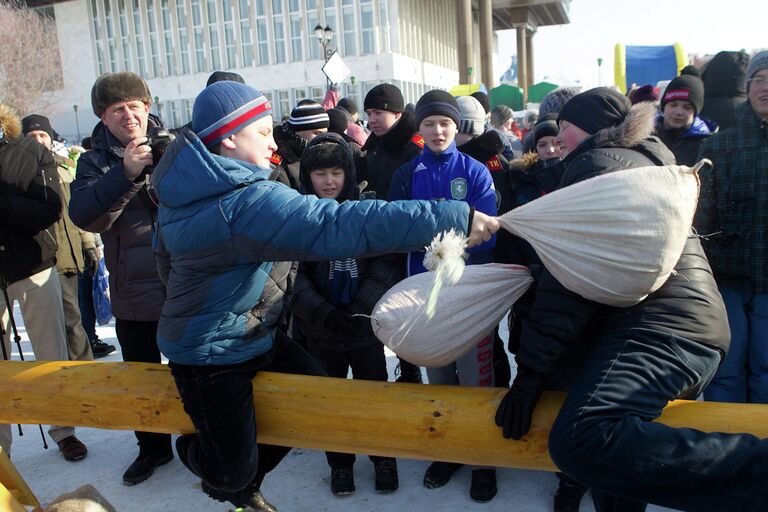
(688, 304)
(384, 155)
(124, 212)
(310, 299)
(30, 203)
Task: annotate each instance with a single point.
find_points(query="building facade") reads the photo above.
(176, 44)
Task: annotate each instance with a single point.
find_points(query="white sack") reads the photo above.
(613, 238)
(464, 313)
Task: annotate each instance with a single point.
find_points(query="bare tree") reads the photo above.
(30, 65)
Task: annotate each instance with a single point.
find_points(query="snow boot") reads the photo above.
(568, 496)
(439, 473)
(408, 372)
(386, 476)
(249, 498)
(483, 487)
(342, 481)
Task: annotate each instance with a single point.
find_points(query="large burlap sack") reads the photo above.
(83, 499)
(464, 312)
(613, 238)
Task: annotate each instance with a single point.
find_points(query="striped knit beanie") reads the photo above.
(437, 103)
(224, 108)
(472, 116)
(308, 116)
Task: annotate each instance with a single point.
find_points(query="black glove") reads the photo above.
(339, 321)
(516, 408)
(91, 261)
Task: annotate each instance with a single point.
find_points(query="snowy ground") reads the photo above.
(300, 483)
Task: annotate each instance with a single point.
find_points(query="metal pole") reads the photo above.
(77, 123)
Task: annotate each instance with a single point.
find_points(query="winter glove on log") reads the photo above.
(516, 408)
(91, 261)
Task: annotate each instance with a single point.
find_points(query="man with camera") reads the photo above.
(111, 196)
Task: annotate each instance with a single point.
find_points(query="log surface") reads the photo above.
(445, 423)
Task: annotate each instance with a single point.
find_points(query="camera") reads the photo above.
(158, 139)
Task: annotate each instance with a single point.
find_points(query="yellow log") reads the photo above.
(14, 484)
(402, 420)
(8, 502)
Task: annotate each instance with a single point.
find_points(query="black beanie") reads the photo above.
(112, 88)
(544, 127)
(221, 76)
(385, 97)
(596, 109)
(483, 99)
(437, 103)
(348, 104)
(690, 69)
(685, 88)
(338, 121)
(36, 122)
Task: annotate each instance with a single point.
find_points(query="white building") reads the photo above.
(176, 44)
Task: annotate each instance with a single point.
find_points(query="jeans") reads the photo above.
(604, 436)
(85, 298)
(367, 363)
(219, 400)
(138, 342)
(743, 376)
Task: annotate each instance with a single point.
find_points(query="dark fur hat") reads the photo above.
(112, 88)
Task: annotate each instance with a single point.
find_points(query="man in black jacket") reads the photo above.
(30, 204)
(667, 346)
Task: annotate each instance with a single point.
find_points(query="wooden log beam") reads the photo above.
(14, 485)
(403, 420)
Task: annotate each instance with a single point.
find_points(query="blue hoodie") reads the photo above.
(226, 237)
(447, 175)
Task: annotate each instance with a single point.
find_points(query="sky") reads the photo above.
(567, 53)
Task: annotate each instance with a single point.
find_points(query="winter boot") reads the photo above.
(568, 495)
(249, 498)
(439, 473)
(386, 476)
(342, 481)
(101, 349)
(408, 372)
(483, 487)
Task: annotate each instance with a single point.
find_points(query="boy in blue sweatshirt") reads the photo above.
(442, 172)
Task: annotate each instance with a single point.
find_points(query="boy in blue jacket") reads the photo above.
(329, 293)
(442, 172)
(226, 239)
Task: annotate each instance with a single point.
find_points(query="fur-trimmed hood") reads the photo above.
(636, 127)
(10, 122)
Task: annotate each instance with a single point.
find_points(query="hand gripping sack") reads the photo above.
(464, 312)
(614, 238)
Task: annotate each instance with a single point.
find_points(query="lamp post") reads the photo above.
(599, 71)
(324, 36)
(77, 123)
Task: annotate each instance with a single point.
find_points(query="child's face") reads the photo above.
(438, 132)
(328, 183)
(381, 121)
(253, 144)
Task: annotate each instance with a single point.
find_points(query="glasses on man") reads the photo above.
(758, 82)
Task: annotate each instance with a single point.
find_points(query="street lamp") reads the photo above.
(324, 36)
(77, 123)
(599, 71)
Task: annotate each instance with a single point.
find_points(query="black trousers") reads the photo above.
(219, 400)
(138, 342)
(368, 363)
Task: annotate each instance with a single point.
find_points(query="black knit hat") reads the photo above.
(483, 99)
(112, 88)
(384, 97)
(36, 122)
(685, 88)
(348, 104)
(220, 76)
(337, 120)
(596, 109)
(690, 69)
(546, 126)
(308, 116)
(437, 103)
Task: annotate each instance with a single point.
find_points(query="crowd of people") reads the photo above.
(259, 245)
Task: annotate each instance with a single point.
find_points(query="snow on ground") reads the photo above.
(300, 483)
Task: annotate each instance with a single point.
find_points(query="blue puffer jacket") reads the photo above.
(226, 236)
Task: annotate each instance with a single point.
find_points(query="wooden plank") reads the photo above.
(402, 420)
(8, 502)
(12, 481)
